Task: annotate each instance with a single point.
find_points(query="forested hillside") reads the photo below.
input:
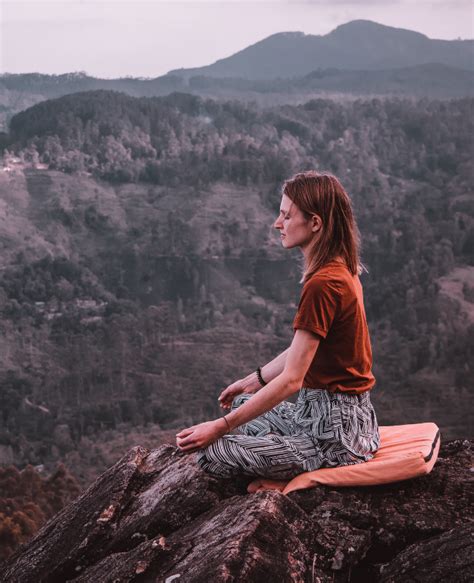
(27, 500)
(140, 273)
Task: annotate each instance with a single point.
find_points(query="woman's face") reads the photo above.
(295, 229)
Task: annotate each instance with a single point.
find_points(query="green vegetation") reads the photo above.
(28, 500)
(183, 139)
(139, 276)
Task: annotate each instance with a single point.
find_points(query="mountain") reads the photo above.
(360, 58)
(144, 258)
(21, 91)
(434, 80)
(58, 85)
(156, 516)
(359, 44)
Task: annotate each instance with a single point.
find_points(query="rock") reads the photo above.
(446, 557)
(156, 516)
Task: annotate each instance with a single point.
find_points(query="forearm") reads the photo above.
(274, 367)
(270, 371)
(265, 399)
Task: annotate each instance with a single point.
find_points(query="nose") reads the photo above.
(278, 223)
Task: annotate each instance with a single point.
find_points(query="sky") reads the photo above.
(116, 38)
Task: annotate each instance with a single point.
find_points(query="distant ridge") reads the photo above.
(359, 44)
(360, 58)
(436, 80)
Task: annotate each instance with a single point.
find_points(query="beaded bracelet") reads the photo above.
(259, 377)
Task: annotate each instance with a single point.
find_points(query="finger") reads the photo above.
(188, 440)
(185, 432)
(182, 445)
(228, 391)
(187, 448)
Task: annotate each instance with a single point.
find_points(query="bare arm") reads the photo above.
(250, 383)
(271, 370)
(275, 366)
(299, 357)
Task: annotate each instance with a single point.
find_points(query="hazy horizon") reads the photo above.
(116, 38)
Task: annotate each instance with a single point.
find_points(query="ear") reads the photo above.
(317, 223)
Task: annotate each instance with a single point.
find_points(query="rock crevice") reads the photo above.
(156, 516)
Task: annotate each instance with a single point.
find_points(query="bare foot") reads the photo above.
(262, 484)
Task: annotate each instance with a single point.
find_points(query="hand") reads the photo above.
(199, 436)
(227, 396)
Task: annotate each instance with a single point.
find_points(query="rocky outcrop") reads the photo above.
(156, 516)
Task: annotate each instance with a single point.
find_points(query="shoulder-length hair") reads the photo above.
(323, 195)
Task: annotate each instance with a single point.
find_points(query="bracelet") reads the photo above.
(227, 423)
(259, 377)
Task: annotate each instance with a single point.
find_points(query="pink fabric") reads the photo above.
(406, 451)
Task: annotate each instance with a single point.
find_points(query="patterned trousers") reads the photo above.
(321, 429)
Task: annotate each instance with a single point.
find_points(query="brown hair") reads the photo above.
(323, 195)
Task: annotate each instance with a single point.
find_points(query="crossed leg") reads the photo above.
(278, 420)
(264, 447)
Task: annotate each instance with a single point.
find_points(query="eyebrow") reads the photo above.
(284, 211)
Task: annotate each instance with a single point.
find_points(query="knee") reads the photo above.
(202, 460)
(211, 464)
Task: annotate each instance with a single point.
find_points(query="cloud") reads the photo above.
(364, 3)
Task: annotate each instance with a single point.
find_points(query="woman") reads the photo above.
(332, 422)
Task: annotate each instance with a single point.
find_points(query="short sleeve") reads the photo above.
(317, 307)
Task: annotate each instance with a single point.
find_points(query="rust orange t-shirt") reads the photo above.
(332, 306)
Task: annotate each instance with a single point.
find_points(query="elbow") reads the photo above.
(292, 384)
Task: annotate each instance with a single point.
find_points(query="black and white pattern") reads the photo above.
(321, 429)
